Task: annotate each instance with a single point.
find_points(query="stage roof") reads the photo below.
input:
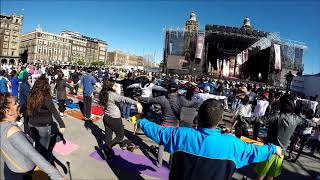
(232, 37)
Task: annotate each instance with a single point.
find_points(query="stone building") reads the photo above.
(47, 48)
(65, 48)
(120, 58)
(134, 60)
(96, 50)
(10, 34)
(192, 23)
(78, 46)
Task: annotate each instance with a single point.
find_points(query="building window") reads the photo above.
(12, 53)
(17, 20)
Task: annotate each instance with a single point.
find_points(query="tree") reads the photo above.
(97, 63)
(81, 62)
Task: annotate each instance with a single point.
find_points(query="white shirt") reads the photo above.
(261, 108)
(147, 90)
(308, 130)
(201, 97)
(66, 73)
(244, 110)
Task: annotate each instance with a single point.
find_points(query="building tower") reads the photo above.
(246, 23)
(192, 23)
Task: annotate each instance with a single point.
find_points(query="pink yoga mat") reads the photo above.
(65, 149)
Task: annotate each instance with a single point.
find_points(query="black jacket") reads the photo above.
(281, 126)
(125, 83)
(61, 89)
(44, 116)
(168, 115)
(177, 102)
(186, 166)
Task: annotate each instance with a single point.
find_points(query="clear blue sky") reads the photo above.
(137, 26)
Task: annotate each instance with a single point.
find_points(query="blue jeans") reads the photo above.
(125, 110)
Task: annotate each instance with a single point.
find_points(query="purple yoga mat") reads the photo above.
(135, 163)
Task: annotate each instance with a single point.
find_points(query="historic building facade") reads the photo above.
(78, 46)
(120, 58)
(10, 34)
(45, 47)
(66, 48)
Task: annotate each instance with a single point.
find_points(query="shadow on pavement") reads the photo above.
(142, 146)
(124, 169)
(96, 132)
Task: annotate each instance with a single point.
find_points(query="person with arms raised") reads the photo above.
(205, 153)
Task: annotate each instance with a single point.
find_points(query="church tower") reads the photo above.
(192, 24)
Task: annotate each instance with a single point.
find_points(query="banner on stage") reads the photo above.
(199, 47)
(277, 56)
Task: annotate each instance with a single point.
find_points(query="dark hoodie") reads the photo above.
(24, 90)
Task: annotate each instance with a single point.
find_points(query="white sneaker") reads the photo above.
(61, 114)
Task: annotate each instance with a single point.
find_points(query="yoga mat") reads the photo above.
(97, 110)
(73, 106)
(65, 149)
(251, 141)
(77, 97)
(135, 163)
(78, 115)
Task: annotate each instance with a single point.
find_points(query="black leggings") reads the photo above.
(113, 125)
(61, 105)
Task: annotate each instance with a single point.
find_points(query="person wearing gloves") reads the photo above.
(20, 157)
(110, 99)
(205, 153)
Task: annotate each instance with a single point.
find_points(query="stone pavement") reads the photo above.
(90, 135)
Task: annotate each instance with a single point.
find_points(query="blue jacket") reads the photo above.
(208, 144)
(24, 90)
(88, 82)
(14, 86)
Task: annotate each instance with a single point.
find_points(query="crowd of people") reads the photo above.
(202, 146)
